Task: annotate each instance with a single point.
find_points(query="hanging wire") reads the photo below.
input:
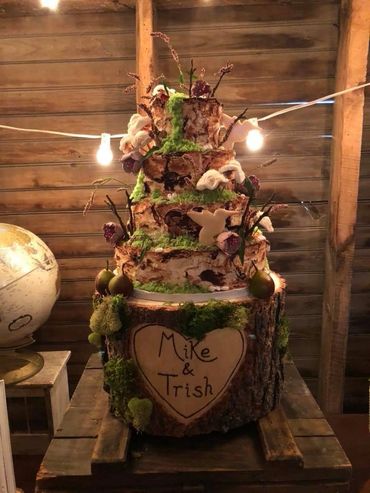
(119, 136)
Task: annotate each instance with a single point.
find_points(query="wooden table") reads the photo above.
(36, 406)
(293, 449)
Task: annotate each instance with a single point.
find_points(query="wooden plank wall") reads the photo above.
(63, 72)
(358, 360)
(67, 72)
(285, 53)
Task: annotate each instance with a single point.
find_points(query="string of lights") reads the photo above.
(254, 134)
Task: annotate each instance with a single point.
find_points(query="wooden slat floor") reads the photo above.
(351, 430)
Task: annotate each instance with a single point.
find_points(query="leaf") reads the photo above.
(151, 151)
(249, 186)
(181, 78)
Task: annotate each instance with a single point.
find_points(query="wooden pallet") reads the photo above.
(293, 449)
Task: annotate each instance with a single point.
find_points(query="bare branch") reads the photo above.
(112, 206)
(231, 126)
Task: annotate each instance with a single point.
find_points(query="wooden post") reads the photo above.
(7, 480)
(145, 57)
(344, 180)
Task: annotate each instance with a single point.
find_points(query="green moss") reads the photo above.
(140, 239)
(165, 287)
(156, 194)
(138, 192)
(120, 376)
(175, 142)
(197, 320)
(110, 316)
(140, 411)
(95, 339)
(283, 335)
(205, 197)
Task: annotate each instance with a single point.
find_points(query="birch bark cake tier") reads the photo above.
(191, 321)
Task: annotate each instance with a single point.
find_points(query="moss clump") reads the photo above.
(140, 239)
(175, 142)
(156, 194)
(138, 192)
(110, 315)
(166, 287)
(205, 197)
(197, 320)
(120, 376)
(95, 339)
(140, 411)
(283, 335)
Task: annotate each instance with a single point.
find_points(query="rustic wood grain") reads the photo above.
(111, 447)
(277, 440)
(259, 13)
(68, 72)
(346, 151)
(163, 465)
(146, 62)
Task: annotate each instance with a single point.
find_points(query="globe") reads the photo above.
(29, 285)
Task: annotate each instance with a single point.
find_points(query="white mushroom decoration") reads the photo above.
(235, 166)
(136, 137)
(160, 87)
(210, 180)
(265, 222)
(213, 178)
(238, 132)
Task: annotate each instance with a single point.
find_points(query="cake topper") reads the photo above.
(213, 223)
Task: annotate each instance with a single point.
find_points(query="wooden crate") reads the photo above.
(37, 405)
(293, 449)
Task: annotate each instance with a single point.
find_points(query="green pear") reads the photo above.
(102, 280)
(261, 285)
(120, 284)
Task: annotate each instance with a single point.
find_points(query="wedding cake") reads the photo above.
(191, 322)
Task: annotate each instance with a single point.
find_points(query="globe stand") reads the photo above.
(18, 364)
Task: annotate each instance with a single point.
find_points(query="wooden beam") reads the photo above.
(145, 56)
(344, 181)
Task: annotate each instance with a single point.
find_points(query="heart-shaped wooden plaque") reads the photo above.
(185, 375)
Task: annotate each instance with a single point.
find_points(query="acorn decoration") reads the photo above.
(120, 284)
(261, 285)
(102, 280)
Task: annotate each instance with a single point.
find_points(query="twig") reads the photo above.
(90, 202)
(131, 215)
(147, 110)
(222, 72)
(265, 213)
(231, 126)
(267, 163)
(174, 54)
(191, 75)
(113, 208)
(149, 88)
(269, 201)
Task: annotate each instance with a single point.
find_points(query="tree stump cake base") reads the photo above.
(219, 382)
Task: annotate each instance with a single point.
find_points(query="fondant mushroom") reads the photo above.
(235, 166)
(238, 132)
(210, 180)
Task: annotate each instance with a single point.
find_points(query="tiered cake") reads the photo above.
(191, 322)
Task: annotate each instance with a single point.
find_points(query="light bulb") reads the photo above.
(255, 139)
(104, 155)
(50, 4)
